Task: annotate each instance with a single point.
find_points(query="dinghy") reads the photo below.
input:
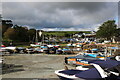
(108, 70)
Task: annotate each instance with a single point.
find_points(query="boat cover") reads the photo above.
(105, 63)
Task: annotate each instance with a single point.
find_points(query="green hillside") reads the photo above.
(63, 33)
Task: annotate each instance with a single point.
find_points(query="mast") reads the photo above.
(36, 39)
(43, 39)
(105, 53)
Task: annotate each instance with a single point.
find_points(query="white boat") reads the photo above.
(10, 47)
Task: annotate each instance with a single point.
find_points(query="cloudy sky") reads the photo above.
(60, 16)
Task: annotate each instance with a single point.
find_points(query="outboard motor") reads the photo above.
(66, 60)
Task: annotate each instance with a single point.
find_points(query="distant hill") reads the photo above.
(63, 33)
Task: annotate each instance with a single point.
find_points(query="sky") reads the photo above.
(60, 16)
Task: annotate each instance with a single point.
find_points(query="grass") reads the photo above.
(63, 33)
(26, 46)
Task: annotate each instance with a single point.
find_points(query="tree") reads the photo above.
(0, 33)
(107, 30)
(10, 34)
(31, 34)
(21, 33)
(5, 25)
(117, 32)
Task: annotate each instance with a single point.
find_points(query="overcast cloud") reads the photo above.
(69, 16)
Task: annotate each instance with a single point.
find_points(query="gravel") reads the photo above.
(33, 65)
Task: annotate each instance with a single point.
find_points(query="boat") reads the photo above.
(84, 57)
(7, 50)
(81, 59)
(108, 70)
(95, 55)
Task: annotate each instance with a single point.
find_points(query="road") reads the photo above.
(33, 65)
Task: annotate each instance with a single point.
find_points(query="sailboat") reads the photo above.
(37, 44)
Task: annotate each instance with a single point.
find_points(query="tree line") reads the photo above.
(107, 31)
(16, 32)
(23, 34)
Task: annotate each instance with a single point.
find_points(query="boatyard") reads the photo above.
(60, 41)
(51, 61)
(44, 65)
(69, 59)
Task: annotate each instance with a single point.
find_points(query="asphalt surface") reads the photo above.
(33, 65)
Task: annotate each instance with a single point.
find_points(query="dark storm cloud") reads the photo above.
(60, 14)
